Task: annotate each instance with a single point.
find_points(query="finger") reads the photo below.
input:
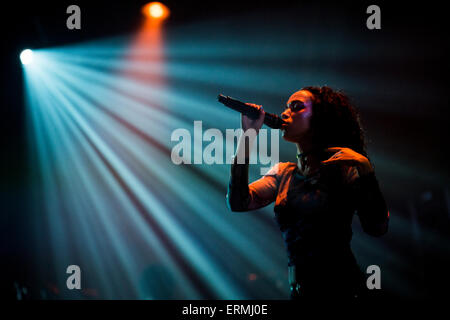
(261, 111)
(336, 155)
(334, 149)
(257, 107)
(333, 161)
(262, 115)
(339, 161)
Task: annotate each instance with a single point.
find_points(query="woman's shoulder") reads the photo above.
(281, 168)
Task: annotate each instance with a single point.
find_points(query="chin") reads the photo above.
(287, 138)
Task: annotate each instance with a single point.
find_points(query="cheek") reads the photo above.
(307, 118)
(303, 120)
(301, 125)
(307, 114)
(308, 121)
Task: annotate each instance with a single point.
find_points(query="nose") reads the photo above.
(285, 114)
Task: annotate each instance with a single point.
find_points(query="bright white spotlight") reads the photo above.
(26, 56)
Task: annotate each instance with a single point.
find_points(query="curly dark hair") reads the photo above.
(335, 122)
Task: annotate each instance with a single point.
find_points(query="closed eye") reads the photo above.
(296, 106)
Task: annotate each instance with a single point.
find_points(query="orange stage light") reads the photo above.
(156, 10)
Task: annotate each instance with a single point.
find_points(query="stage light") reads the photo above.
(26, 56)
(156, 10)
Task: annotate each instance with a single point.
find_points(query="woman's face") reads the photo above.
(297, 116)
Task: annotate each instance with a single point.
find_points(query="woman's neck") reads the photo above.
(308, 160)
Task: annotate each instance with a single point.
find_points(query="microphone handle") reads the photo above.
(271, 120)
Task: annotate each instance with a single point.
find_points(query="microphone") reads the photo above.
(271, 120)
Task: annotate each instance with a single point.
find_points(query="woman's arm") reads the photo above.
(244, 197)
(240, 195)
(370, 204)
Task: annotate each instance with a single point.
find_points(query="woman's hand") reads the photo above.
(349, 157)
(245, 145)
(248, 123)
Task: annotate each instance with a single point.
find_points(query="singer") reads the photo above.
(315, 198)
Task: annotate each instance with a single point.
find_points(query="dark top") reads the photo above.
(314, 213)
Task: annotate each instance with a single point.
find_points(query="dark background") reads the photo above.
(418, 136)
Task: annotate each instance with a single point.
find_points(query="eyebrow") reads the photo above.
(288, 104)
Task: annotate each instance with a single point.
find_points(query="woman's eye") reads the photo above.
(297, 107)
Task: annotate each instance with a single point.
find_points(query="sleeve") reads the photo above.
(371, 207)
(244, 197)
